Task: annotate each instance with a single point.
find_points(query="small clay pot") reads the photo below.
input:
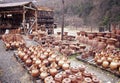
(73, 78)
(87, 80)
(74, 69)
(58, 77)
(66, 80)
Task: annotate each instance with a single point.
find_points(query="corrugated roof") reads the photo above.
(44, 8)
(13, 4)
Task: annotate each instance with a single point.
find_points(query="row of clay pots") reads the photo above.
(13, 41)
(108, 60)
(99, 42)
(116, 31)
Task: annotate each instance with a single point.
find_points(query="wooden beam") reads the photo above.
(8, 12)
(29, 8)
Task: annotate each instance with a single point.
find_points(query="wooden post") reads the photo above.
(62, 30)
(23, 21)
(36, 27)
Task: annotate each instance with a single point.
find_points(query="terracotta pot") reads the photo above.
(65, 66)
(48, 79)
(87, 80)
(60, 63)
(86, 74)
(66, 80)
(90, 36)
(81, 68)
(73, 78)
(109, 59)
(68, 72)
(105, 64)
(100, 34)
(95, 80)
(64, 74)
(79, 76)
(58, 77)
(28, 62)
(111, 41)
(74, 69)
(113, 65)
(53, 71)
(43, 75)
(35, 72)
(99, 61)
(21, 55)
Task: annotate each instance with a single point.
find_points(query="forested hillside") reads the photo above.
(83, 12)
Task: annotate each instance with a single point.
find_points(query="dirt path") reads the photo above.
(11, 70)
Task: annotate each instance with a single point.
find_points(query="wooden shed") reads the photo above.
(18, 16)
(45, 17)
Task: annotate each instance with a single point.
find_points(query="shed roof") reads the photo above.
(14, 4)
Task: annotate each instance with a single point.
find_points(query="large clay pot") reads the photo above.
(43, 75)
(35, 72)
(53, 71)
(105, 64)
(99, 61)
(113, 65)
(28, 62)
(65, 66)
